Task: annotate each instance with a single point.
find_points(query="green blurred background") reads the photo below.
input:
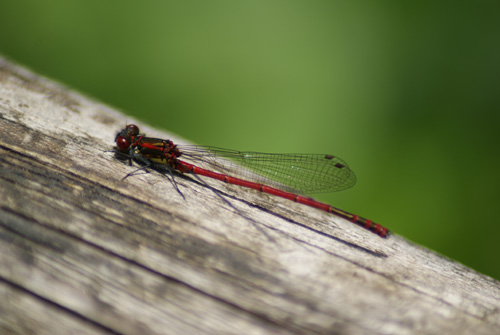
(405, 92)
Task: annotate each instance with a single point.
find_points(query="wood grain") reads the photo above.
(83, 252)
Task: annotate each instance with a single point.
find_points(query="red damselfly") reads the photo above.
(282, 175)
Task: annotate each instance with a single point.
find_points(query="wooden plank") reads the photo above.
(82, 248)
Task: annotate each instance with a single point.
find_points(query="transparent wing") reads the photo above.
(298, 173)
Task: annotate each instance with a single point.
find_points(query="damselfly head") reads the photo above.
(126, 136)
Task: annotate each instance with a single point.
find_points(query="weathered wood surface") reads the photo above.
(82, 252)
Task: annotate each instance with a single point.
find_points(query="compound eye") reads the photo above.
(122, 143)
(133, 130)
